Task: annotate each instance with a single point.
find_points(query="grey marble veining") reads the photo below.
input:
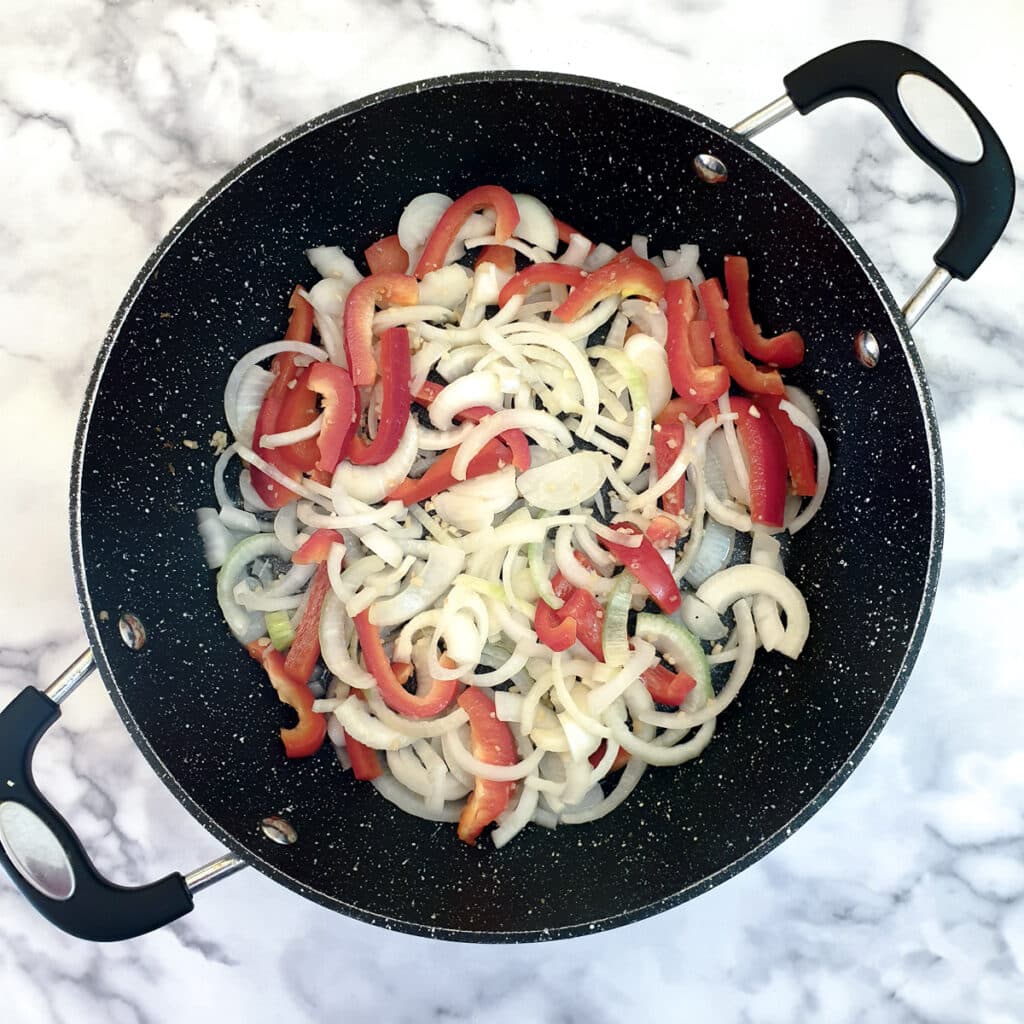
(902, 900)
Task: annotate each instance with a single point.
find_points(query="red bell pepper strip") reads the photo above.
(541, 273)
(730, 351)
(428, 391)
(300, 328)
(663, 532)
(555, 633)
(372, 291)
(491, 741)
(365, 762)
(395, 371)
(766, 456)
(305, 648)
(307, 736)
(432, 701)
(339, 396)
(668, 442)
(316, 548)
(693, 382)
(584, 609)
(700, 343)
(387, 256)
(299, 409)
(677, 410)
(667, 687)
(620, 761)
(784, 350)
(506, 218)
(626, 274)
(647, 566)
(501, 256)
(799, 451)
(438, 477)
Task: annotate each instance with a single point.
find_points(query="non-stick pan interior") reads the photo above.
(611, 162)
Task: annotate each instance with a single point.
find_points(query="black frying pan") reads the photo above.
(611, 160)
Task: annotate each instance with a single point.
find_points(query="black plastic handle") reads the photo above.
(97, 909)
(984, 190)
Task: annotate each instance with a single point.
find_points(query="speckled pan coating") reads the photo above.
(611, 161)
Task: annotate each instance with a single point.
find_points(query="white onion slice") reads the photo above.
(374, 483)
(479, 388)
(803, 421)
(563, 483)
(331, 261)
(536, 223)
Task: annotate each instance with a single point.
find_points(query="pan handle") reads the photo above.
(43, 855)
(937, 121)
(964, 148)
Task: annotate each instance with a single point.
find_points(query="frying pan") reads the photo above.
(611, 160)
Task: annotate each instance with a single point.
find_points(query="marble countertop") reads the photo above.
(902, 900)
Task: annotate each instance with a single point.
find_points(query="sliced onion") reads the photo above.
(287, 437)
(576, 251)
(425, 587)
(648, 317)
(714, 553)
(536, 224)
(563, 483)
(729, 585)
(701, 619)
(802, 400)
(374, 483)
(455, 752)
(642, 658)
(419, 219)
(537, 424)
(411, 803)
(650, 356)
(334, 645)
(446, 287)
(331, 261)
(361, 725)
(473, 389)
(473, 504)
(242, 367)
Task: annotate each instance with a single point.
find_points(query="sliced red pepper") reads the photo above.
(620, 761)
(365, 762)
(387, 256)
(395, 371)
(627, 274)
(668, 443)
(305, 649)
(647, 566)
(316, 548)
(431, 702)
(506, 218)
(557, 633)
(663, 532)
(300, 328)
(492, 742)
(438, 477)
(668, 687)
(766, 457)
(784, 350)
(501, 256)
(693, 382)
(799, 451)
(730, 351)
(307, 736)
(541, 273)
(299, 409)
(339, 423)
(700, 343)
(586, 611)
(677, 410)
(362, 301)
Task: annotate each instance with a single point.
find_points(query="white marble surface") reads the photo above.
(903, 900)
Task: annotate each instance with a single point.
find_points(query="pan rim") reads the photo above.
(734, 867)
